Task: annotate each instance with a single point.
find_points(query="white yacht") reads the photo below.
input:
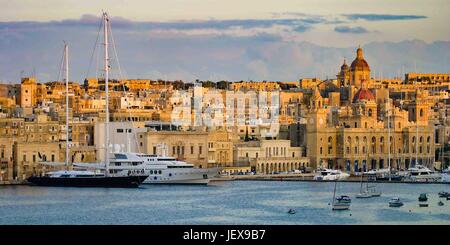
(160, 169)
(120, 164)
(330, 174)
(421, 173)
(169, 170)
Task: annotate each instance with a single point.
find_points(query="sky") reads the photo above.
(281, 40)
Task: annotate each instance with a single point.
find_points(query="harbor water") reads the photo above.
(227, 202)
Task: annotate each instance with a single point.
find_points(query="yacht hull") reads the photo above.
(341, 206)
(179, 182)
(364, 195)
(395, 204)
(120, 181)
(183, 176)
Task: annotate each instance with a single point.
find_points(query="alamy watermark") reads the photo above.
(219, 108)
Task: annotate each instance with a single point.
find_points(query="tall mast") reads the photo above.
(417, 119)
(389, 138)
(66, 66)
(106, 59)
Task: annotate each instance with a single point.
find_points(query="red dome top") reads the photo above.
(363, 94)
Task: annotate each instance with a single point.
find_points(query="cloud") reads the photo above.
(120, 22)
(208, 49)
(349, 29)
(382, 17)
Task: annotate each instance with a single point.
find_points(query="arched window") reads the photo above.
(369, 112)
(421, 113)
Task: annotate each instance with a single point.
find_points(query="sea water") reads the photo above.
(227, 202)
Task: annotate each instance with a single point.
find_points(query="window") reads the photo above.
(53, 157)
(154, 150)
(34, 158)
(192, 149)
(119, 130)
(200, 150)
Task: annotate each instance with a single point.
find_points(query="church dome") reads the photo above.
(363, 94)
(359, 64)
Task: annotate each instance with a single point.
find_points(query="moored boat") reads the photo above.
(330, 175)
(86, 178)
(423, 197)
(340, 203)
(395, 202)
(443, 194)
(75, 178)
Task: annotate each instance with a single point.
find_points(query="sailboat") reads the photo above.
(369, 191)
(342, 202)
(86, 178)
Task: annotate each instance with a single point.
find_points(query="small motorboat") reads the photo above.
(395, 202)
(448, 198)
(440, 203)
(423, 205)
(292, 211)
(423, 197)
(443, 194)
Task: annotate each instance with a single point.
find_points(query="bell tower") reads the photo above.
(418, 110)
